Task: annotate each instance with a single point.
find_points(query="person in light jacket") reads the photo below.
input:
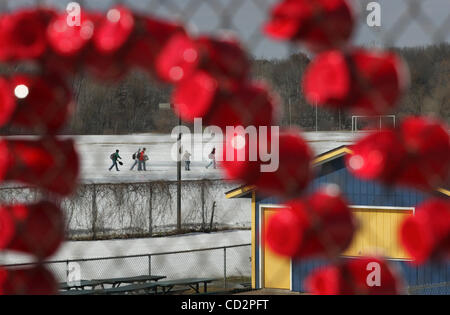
(212, 157)
(187, 160)
(136, 159)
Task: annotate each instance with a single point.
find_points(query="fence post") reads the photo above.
(212, 216)
(150, 214)
(94, 212)
(225, 267)
(67, 271)
(149, 265)
(203, 204)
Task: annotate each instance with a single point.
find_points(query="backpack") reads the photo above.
(112, 156)
(134, 156)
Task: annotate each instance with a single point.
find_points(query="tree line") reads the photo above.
(132, 105)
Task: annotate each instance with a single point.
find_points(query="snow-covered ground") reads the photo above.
(94, 152)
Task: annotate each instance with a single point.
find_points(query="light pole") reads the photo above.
(179, 177)
(316, 116)
(169, 106)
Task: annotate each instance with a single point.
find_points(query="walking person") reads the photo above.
(212, 157)
(136, 159)
(187, 160)
(142, 160)
(115, 157)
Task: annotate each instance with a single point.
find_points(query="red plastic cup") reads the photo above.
(377, 156)
(356, 276)
(194, 98)
(114, 30)
(292, 172)
(319, 24)
(47, 163)
(320, 225)
(240, 155)
(251, 104)
(7, 102)
(70, 40)
(22, 34)
(427, 143)
(220, 57)
(155, 38)
(363, 82)
(36, 229)
(31, 281)
(417, 155)
(113, 36)
(426, 234)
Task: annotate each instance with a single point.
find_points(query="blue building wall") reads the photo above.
(425, 279)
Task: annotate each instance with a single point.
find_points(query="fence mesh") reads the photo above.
(126, 210)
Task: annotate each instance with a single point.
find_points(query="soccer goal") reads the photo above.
(360, 123)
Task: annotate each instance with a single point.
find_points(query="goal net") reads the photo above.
(364, 123)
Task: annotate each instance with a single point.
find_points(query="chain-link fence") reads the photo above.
(229, 266)
(105, 211)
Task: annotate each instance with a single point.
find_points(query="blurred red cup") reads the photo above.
(40, 102)
(47, 163)
(225, 103)
(36, 229)
(221, 57)
(290, 171)
(155, 38)
(363, 82)
(204, 95)
(427, 143)
(417, 155)
(377, 156)
(7, 101)
(22, 34)
(114, 30)
(356, 276)
(250, 104)
(321, 225)
(426, 234)
(277, 164)
(319, 24)
(31, 281)
(113, 38)
(240, 155)
(70, 40)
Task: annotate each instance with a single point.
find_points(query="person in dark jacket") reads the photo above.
(115, 157)
(136, 160)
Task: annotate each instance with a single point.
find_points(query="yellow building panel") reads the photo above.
(377, 233)
(277, 269)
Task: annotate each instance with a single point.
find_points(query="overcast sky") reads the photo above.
(245, 18)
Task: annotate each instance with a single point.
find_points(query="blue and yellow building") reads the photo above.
(379, 210)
